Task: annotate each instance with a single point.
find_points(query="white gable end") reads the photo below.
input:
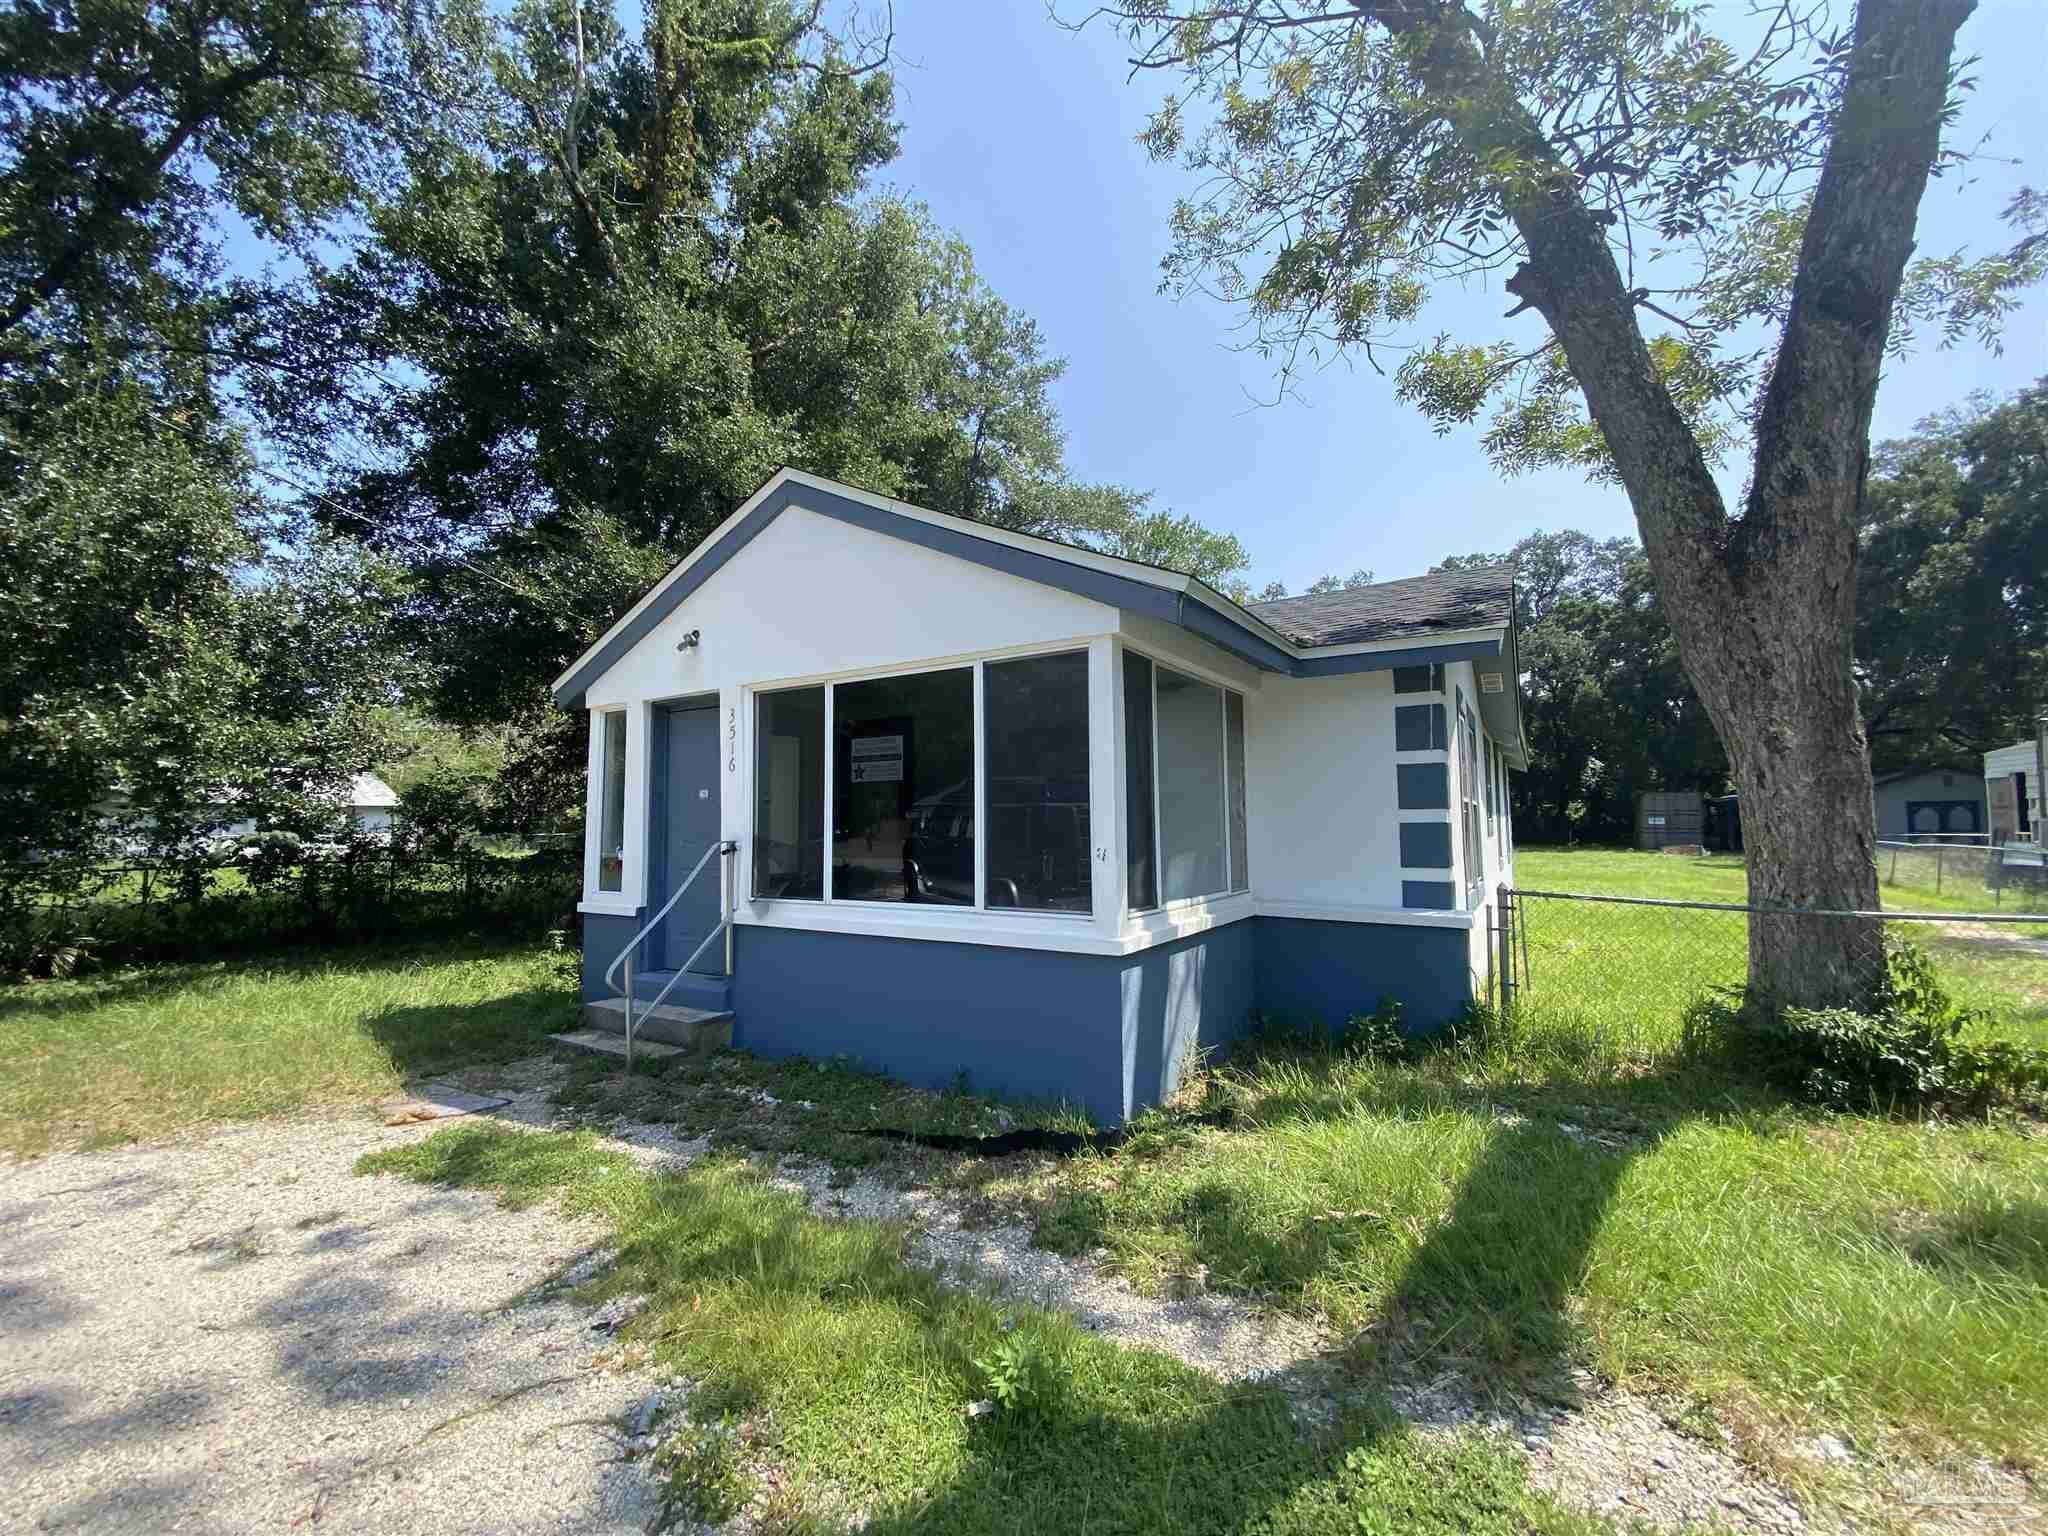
(812, 595)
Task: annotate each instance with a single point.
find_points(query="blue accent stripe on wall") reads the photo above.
(1430, 895)
(1419, 728)
(1422, 786)
(1425, 845)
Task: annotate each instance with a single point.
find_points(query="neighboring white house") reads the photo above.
(372, 806)
(979, 803)
(2012, 785)
(1929, 804)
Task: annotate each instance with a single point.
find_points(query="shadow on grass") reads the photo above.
(1478, 1278)
(866, 1365)
(1992, 1244)
(422, 1039)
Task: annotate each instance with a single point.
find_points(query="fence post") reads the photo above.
(1937, 869)
(1506, 966)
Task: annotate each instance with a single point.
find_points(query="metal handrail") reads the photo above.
(723, 846)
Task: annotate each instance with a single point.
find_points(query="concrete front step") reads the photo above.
(693, 1029)
(602, 1043)
(713, 994)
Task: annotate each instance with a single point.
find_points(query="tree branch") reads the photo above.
(1813, 427)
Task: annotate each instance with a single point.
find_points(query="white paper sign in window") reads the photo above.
(878, 759)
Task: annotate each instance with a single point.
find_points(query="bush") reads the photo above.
(1914, 1047)
(1377, 1035)
(189, 911)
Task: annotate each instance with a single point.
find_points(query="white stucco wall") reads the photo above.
(815, 599)
(1325, 828)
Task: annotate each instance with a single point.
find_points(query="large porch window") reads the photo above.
(970, 787)
(789, 794)
(903, 789)
(958, 787)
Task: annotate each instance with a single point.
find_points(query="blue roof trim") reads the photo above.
(1386, 661)
(1175, 608)
(570, 694)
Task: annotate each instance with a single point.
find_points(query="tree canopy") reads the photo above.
(499, 309)
(1952, 614)
(1711, 232)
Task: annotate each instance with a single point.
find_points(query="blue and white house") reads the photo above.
(876, 781)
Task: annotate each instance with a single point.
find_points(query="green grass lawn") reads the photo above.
(133, 1054)
(1619, 977)
(853, 1371)
(1545, 1194)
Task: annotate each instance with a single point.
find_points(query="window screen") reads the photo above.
(1141, 874)
(1240, 841)
(903, 789)
(611, 840)
(1190, 769)
(1035, 758)
(789, 794)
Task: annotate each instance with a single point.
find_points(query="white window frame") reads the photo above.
(628, 898)
(1224, 690)
(977, 665)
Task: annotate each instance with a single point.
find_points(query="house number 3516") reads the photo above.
(732, 738)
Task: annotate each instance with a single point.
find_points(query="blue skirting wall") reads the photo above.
(1330, 972)
(1110, 1033)
(1020, 1023)
(603, 938)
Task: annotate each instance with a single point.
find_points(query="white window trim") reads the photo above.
(885, 917)
(1068, 933)
(1138, 919)
(626, 901)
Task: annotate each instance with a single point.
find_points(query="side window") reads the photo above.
(611, 814)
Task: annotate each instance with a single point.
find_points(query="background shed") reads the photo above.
(1668, 817)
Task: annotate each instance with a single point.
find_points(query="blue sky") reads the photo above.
(1020, 135)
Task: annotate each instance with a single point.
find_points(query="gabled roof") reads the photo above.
(366, 791)
(1478, 597)
(1173, 597)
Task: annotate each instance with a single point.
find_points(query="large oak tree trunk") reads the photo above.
(1775, 655)
(1763, 603)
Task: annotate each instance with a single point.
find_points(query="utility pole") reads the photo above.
(2040, 785)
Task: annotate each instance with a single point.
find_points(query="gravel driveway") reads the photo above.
(240, 1334)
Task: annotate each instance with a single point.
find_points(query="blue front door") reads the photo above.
(689, 783)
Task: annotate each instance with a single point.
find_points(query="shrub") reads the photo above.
(1013, 1372)
(1912, 1047)
(1376, 1035)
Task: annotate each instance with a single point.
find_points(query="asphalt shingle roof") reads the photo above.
(1478, 597)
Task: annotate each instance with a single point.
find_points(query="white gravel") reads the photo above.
(240, 1334)
(1225, 1337)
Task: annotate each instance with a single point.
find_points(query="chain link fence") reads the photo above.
(154, 911)
(2012, 876)
(1620, 971)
